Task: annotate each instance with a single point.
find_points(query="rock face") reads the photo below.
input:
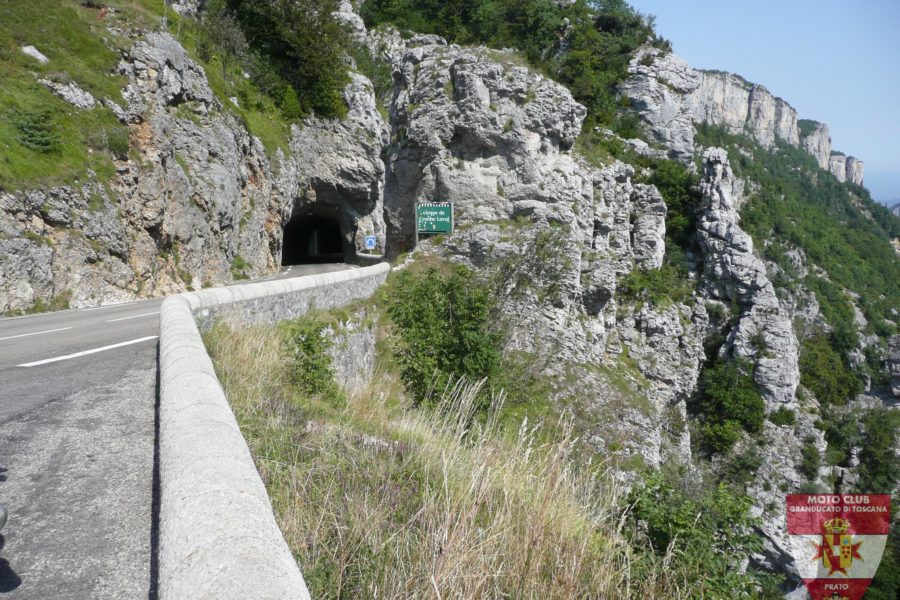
(729, 100)
(846, 168)
(733, 273)
(817, 142)
(459, 119)
(671, 98)
(657, 89)
(337, 168)
(196, 204)
(894, 365)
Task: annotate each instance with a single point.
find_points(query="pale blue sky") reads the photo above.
(835, 61)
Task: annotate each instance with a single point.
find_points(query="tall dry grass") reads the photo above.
(380, 500)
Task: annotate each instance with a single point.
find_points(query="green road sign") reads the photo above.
(432, 217)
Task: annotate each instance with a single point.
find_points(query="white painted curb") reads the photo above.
(218, 537)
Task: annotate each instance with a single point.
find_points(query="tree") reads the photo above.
(223, 34)
(305, 44)
(444, 322)
(728, 402)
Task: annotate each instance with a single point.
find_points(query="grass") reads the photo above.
(71, 141)
(377, 499)
(57, 302)
(45, 141)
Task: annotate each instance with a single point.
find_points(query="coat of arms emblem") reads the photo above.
(837, 549)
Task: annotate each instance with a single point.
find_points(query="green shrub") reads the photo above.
(809, 459)
(708, 535)
(825, 372)
(842, 432)
(719, 437)
(679, 188)
(221, 35)
(879, 468)
(310, 366)
(657, 286)
(239, 267)
(783, 417)
(303, 45)
(741, 467)
(445, 326)
(290, 104)
(37, 130)
(112, 138)
(57, 302)
(728, 403)
(378, 69)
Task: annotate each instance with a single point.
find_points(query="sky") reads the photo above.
(837, 62)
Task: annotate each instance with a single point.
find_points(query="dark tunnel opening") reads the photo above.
(313, 238)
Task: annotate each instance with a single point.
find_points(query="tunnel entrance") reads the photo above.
(313, 238)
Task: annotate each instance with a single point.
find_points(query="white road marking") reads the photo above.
(150, 314)
(12, 337)
(86, 352)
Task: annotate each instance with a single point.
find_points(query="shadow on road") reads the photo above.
(9, 580)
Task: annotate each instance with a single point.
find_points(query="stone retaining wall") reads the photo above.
(218, 537)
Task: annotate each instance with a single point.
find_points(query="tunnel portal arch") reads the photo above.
(315, 236)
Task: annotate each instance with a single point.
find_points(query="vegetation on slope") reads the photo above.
(43, 139)
(837, 225)
(379, 495)
(445, 330)
(584, 45)
(293, 49)
(294, 52)
(845, 237)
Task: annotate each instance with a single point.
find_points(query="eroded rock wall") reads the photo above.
(734, 274)
(196, 193)
(198, 202)
(671, 98)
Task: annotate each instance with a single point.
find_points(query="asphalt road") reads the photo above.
(77, 432)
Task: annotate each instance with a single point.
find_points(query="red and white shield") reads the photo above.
(837, 541)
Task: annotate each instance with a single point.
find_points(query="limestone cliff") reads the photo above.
(670, 97)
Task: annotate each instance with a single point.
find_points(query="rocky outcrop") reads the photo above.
(195, 195)
(479, 131)
(657, 88)
(671, 98)
(35, 54)
(197, 201)
(729, 100)
(71, 93)
(814, 138)
(337, 167)
(894, 365)
(846, 168)
(733, 273)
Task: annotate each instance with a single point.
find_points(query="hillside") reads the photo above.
(703, 299)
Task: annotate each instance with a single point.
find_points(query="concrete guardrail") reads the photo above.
(218, 537)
